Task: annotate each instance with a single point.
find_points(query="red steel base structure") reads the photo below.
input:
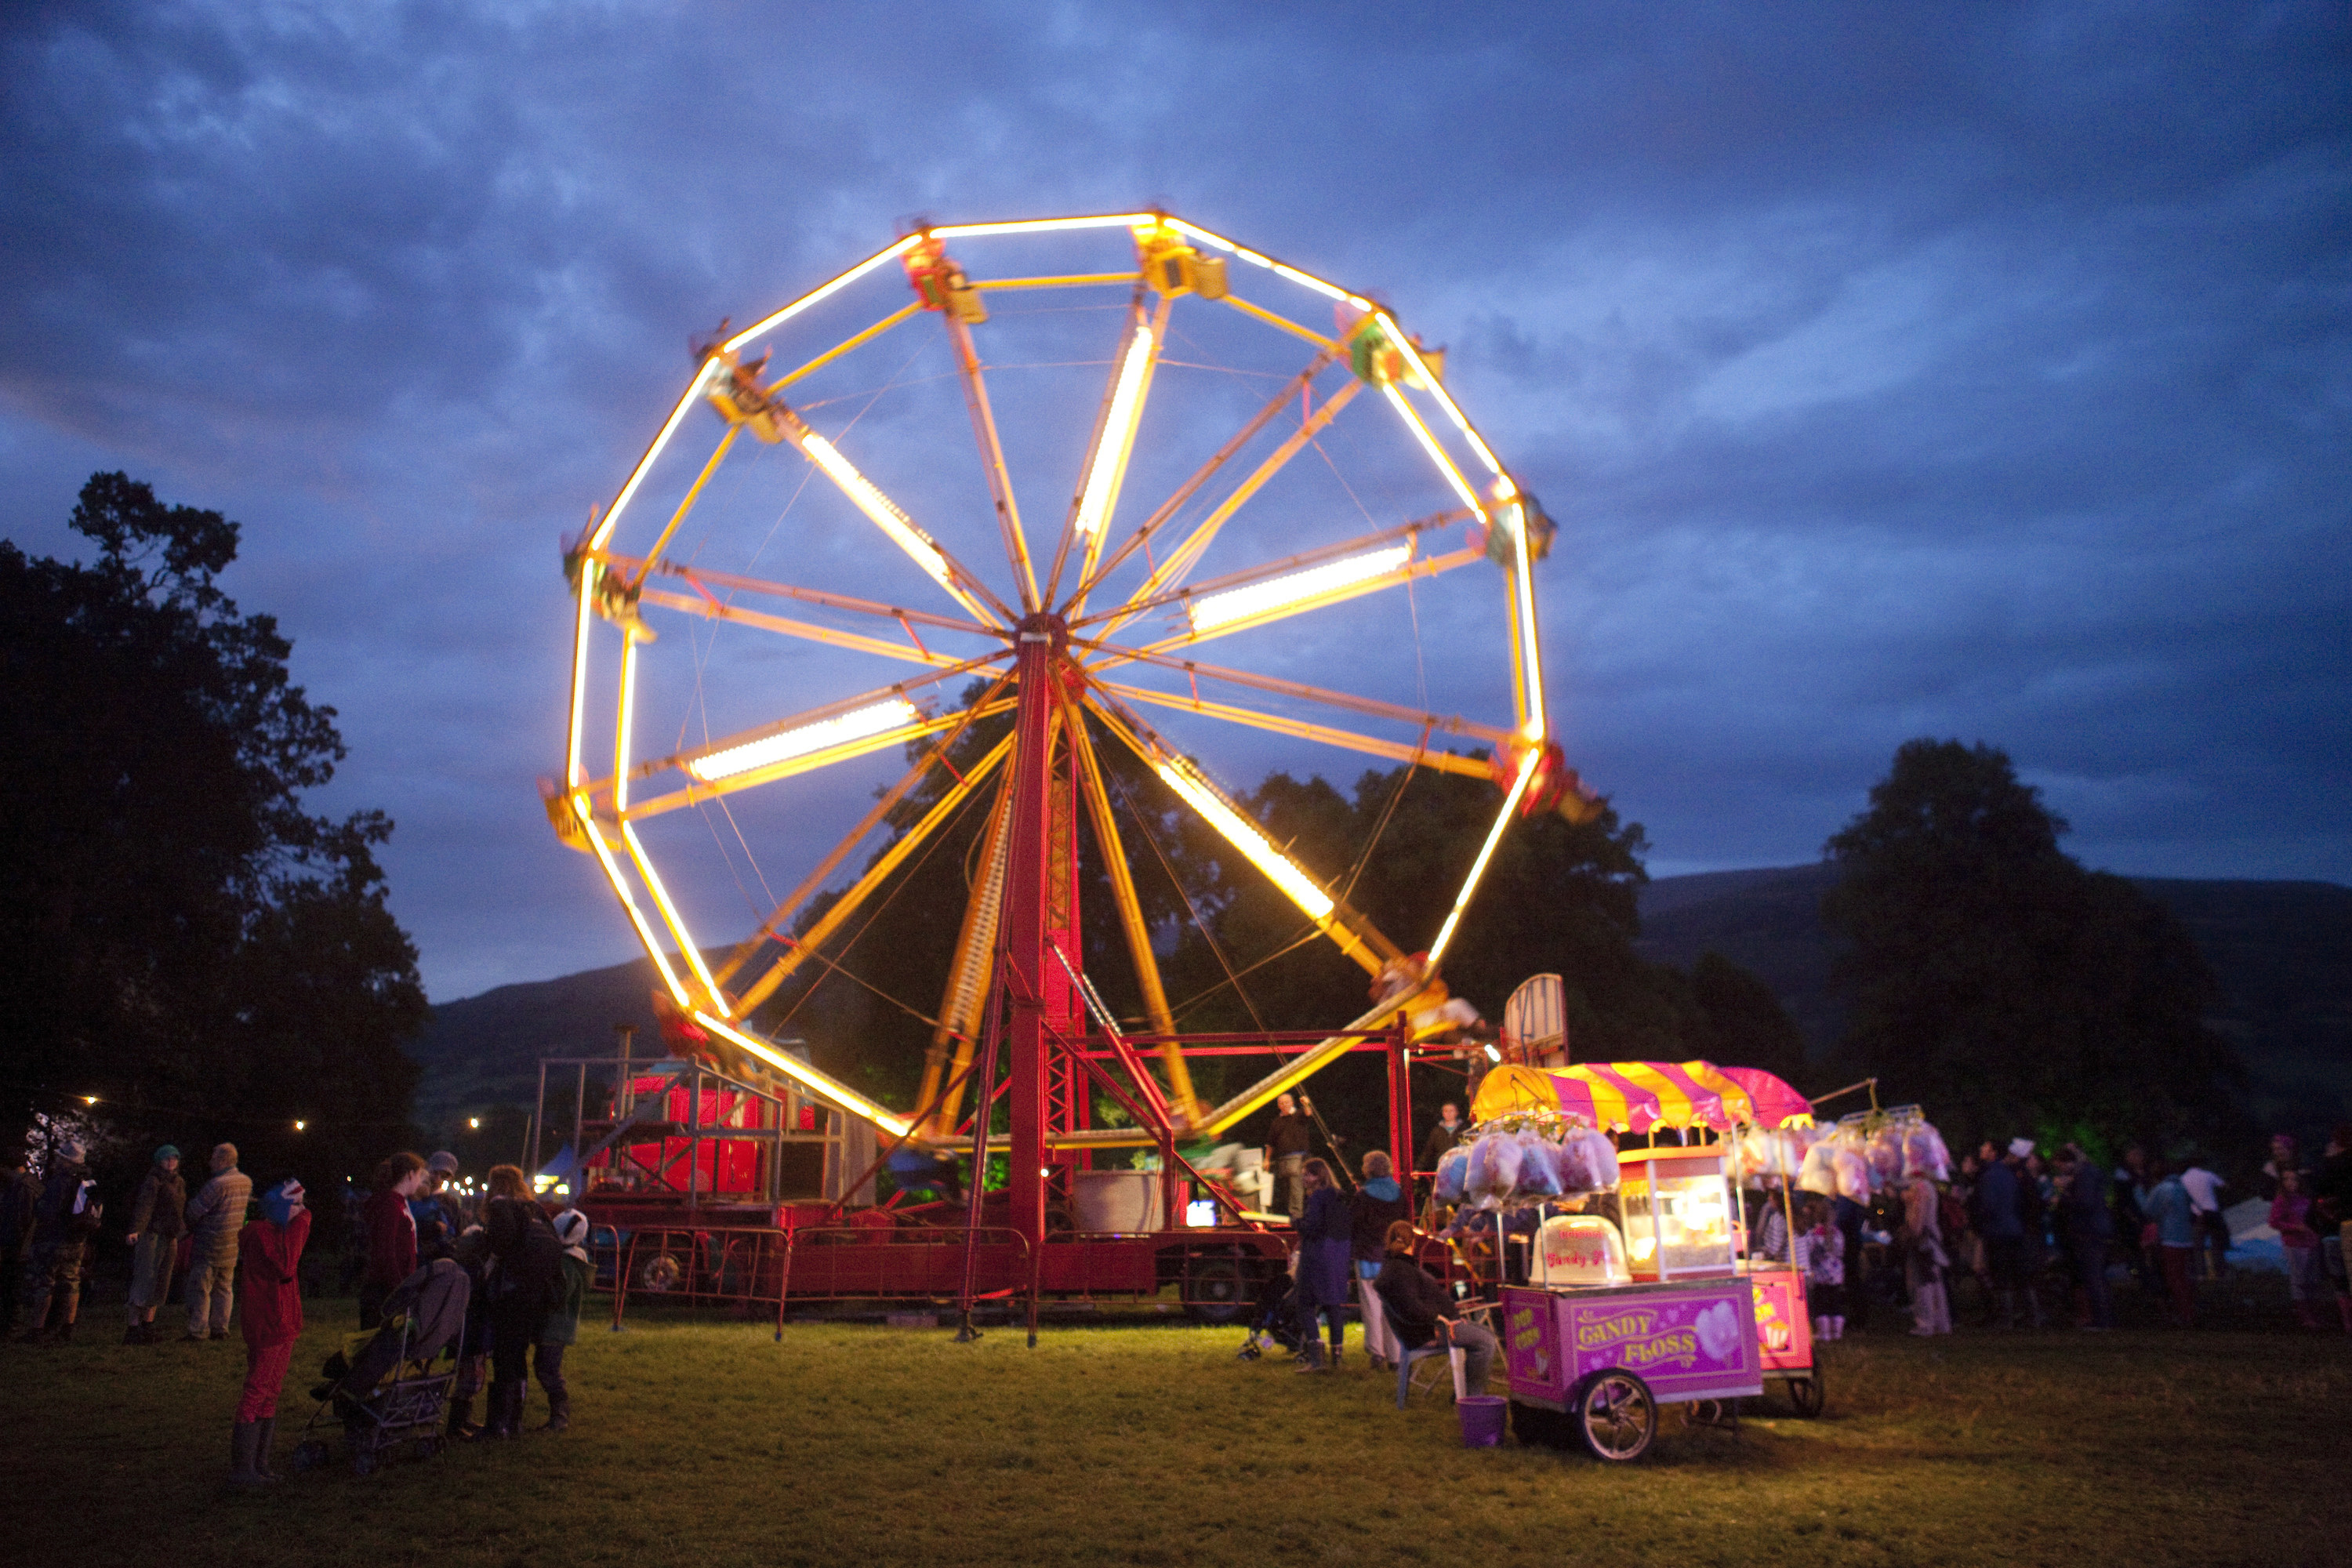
(763, 1245)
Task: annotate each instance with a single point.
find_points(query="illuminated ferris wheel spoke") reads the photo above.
(747, 763)
(704, 580)
(966, 990)
(1171, 571)
(991, 454)
(1291, 581)
(808, 631)
(883, 806)
(889, 861)
(1290, 393)
(1347, 928)
(1280, 598)
(1449, 724)
(1113, 441)
(1180, 1095)
(1395, 750)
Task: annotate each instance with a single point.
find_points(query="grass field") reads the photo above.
(704, 1442)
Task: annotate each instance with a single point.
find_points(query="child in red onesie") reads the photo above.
(272, 1309)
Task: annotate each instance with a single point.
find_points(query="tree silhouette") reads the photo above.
(177, 935)
(1993, 979)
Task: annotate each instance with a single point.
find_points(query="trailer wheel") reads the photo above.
(661, 1272)
(1806, 1393)
(1214, 1291)
(1537, 1428)
(1615, 1416)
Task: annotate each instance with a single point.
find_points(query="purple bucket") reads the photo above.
(1482, 1419)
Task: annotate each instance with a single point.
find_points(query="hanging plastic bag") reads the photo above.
(1818, 1173)
(1494, 1168)
(1452, 1170)
(1539, 1167)
(1600, 1154)
(1853, 1174)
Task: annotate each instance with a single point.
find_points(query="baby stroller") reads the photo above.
(393, 1385)
(1275, 1317)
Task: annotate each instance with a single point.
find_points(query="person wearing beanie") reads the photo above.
(269, 1256)
(440, 1219)
(63, 1222)
(560, 1326)
(20, 1195)
(216, 1215)
(158, 1216)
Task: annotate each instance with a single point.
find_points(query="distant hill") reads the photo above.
(2281, 951)
(2282, 954)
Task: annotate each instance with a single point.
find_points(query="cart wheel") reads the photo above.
(363, 1462)
(309, 1456)
(1616, 1415)
(1806, 1394)
(1536, 1427)
(662, 1271)
(1213, 1290)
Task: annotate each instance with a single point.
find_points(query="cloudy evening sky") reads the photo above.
(1892, 370)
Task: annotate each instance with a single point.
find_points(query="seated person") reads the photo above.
(1421, 1313)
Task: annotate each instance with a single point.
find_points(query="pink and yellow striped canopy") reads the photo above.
(1629, 1096)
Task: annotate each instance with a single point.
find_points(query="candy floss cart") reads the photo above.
(1637, 1294)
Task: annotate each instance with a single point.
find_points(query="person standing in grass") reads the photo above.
(20, 1195)
(391, 1229)
(1925, 1261)
(1824, 1271)
(2204, 1190)
(63, 1222)
(2291, 1218)
(560, 1326)
(2083, 1223)
(2331, 1217)
(158, 1216)
(2170, 1213)
(1324, 1244)
(216, 1215)
(1287, 1142)
(269, 1256)
(528, 1274)
(1379, 1204)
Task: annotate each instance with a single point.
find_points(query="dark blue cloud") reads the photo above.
(1894, 370)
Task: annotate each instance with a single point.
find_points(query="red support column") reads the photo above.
(1400, 1145)
(1028, 859)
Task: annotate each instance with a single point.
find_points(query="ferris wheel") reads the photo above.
(1035, 468)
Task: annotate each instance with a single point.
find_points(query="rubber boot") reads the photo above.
(502, 1414)
(264, 1431)
(63, 1335)
(242, 1440)
(1310, 1357)
(559, 1412)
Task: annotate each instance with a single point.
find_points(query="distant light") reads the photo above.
(474, 1122)
(90, 1100)
(300, 1125)
(1493, 1055)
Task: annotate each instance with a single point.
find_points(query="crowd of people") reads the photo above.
(2036, 1239)
(239, 1253)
